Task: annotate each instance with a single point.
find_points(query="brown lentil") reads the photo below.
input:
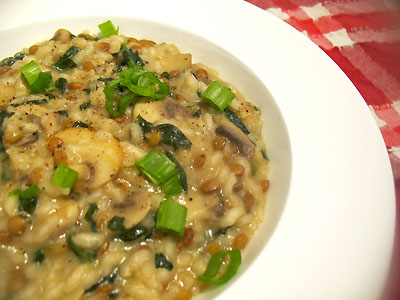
(213, 248)
(54, 143)
(13, 136)
(33, 49)
(174, 74)
(60, 157)
(87, 66)
(237, 169)
(219, 143)
(103, 47)
(210, 186)
(265, 185)
(188, 237)
(153, 137)
(75, 86)
(248, 200)
(201, 73)
(240, 241)
(35, 175)
(146, 43)
(16, 225)
(199, 160)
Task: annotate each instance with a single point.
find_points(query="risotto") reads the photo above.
(127, 171)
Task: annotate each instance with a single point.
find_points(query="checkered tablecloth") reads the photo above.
(363, 38)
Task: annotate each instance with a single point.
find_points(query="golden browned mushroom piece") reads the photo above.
(96, 156)
(134, 208)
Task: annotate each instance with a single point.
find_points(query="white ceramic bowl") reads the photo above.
(329, 223)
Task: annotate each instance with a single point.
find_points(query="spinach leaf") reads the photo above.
(264, 155)
(171, 135)
(165, 75)
(146, 126)
(131, 59)
(163, 262)
(93, 208)
(27, 198)
(233, 117)
(182, 174)
(132, 234)
(61, 85)
(35, 102)
(116, 224)
(65, 62)
(38, 256)
(110, 279)
(64, 113)
(9, 61)
(80, 124)
(83, 255)
(84, 106)
(197, 113)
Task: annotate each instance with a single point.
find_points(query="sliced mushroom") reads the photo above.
(237, 137)
(41, 116)
(134, 209)
(97, 156)
(152, 111)
(62, 35)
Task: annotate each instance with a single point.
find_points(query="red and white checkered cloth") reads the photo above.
(363, 38)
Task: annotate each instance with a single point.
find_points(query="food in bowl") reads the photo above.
(127, 171)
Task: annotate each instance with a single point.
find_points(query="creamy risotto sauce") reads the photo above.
(92, 231)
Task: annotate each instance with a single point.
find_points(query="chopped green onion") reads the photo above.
(30, 192)
(218, 96)
(107, 29)
(65, 62)
(93, 208)
(163, 262)
(161, 171)
(171, 218)
(31, 72)
(210, 275)
(64, 177)
(89, 256)
(37, 80)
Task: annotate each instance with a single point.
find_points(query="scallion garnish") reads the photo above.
(64, 177)
(107, 29)
(218, 96)
(161, 171)
(210, 275)
(37, 80)
(171, 218)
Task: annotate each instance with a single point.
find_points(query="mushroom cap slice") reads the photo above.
(237, 137)
(98, 154)
(134, 208)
